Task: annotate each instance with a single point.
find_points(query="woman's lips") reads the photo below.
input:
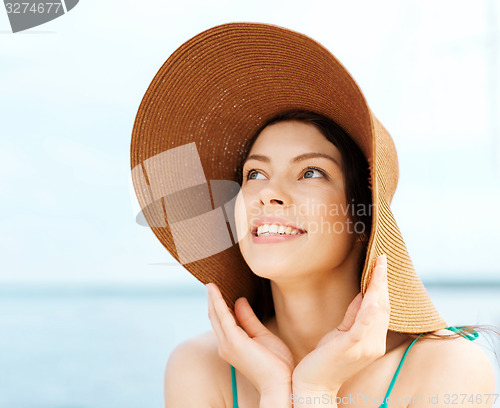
(272, 239)
(271, 220)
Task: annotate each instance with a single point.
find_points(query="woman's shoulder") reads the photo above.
(455, 349)
(451, 366)
(196, 374)
(204, 347)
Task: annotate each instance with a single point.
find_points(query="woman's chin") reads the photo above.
(272, 274)
(271, 262)
(273, 268)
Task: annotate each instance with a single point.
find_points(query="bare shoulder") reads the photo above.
(451, 367)
(195, 375)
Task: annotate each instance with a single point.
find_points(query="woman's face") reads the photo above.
(285, 177)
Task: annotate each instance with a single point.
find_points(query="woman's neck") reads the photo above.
(307, 309)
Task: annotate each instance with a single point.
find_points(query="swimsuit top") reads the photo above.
(471, 337)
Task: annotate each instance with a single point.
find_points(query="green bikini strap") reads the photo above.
(471, 336)
(386, 397)
(234, 388)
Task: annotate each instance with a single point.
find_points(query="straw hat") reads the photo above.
(191, 130)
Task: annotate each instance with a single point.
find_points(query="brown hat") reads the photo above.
(192, 130)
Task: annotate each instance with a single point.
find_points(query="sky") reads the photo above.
(70, 90)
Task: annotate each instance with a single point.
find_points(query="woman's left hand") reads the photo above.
(358, 341)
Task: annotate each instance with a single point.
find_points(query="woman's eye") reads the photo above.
(311, 170)
(251, 173)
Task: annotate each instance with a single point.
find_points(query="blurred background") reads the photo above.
(91, 304)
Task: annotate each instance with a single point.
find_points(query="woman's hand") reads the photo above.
(252, 349)
(358, 341)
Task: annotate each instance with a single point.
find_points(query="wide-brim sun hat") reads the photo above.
(192, 130)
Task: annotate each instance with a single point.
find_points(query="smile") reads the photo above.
(274, 233)
(276, 229)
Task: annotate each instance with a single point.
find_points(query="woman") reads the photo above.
(326, 301)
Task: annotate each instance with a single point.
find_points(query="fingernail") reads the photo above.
(383, 259)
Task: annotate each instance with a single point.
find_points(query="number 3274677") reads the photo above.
(34, 8)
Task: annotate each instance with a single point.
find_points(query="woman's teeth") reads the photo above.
(276, 229)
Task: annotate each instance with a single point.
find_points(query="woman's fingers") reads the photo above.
(350, 315)
(223, 320)
(381, 260)
(373, 315)
(377, 291)
(382, 285)
(214, 319)
(263, 361)
(247, 319)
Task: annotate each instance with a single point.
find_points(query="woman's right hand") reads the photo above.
(252, 349)
(357, 342)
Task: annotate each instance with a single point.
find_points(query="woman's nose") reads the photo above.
(273, 201)
(274, 193)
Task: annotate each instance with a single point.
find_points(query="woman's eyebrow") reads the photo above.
(299, 158)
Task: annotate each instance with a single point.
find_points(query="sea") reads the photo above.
(106, 346)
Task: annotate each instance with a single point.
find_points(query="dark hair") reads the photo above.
(356, 180)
